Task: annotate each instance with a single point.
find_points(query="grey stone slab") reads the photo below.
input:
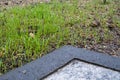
(40, 68)
(77, 70)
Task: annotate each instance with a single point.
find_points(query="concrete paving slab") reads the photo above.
(77, 70)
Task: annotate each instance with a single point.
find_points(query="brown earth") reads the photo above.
(5, 3)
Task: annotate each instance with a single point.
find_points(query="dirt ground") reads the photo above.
(5, 3)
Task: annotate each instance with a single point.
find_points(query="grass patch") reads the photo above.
(27, 33)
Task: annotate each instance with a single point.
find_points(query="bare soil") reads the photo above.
(6, 3)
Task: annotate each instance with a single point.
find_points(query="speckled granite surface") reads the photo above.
(77, 70)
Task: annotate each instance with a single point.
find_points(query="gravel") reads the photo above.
(77, 70)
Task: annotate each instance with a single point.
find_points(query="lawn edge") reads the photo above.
(40, 68)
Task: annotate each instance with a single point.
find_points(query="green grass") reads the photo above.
(51, 25)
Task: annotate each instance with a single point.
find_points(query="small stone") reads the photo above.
(6, 3)
(24, 71)
(95, 23)
(32, 35)
(9, 2)
(104, 46)
(41, 2)
(111, 26)
(110, 23)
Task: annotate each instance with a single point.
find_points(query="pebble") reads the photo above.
(32, 35)
(24, 71)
